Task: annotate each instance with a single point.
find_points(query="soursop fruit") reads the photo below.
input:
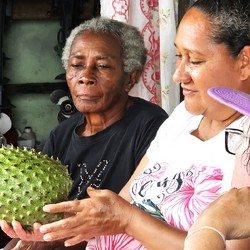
(28, 181)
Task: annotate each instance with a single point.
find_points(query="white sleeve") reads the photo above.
(169, 129)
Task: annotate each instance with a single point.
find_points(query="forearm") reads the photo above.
(210, 240)
(154, 233)
(229, 215)
(243, 244)
(204, 240)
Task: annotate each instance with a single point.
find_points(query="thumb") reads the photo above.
(91, 191)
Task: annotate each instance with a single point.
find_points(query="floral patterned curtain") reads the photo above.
(157, 20)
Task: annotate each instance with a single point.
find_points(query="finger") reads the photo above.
(63, 229)
(63, 207)
(25, 235)
(36, 227)
(60, 235)
(69, 223)
(74, 241)
(8, 229)
(36, 231)
(92, 192)
(20, 232)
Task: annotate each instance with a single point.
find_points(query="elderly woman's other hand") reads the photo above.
(105, 208)
(28, 245)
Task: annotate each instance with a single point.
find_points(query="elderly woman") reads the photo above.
(186, 166)
(104, 142)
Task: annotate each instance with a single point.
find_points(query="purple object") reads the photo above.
(232, 98)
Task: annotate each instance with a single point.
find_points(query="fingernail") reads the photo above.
(46, 208)
(47, 237)
(67, 244)
(36, 227)
(43, 230)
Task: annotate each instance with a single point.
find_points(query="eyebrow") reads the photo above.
(98, 57)
(190, 50)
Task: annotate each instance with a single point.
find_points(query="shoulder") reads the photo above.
(179, 120)
(62, 134)
(69, 123)
(145, 107)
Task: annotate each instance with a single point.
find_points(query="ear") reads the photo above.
(245, 62)
(134, 77)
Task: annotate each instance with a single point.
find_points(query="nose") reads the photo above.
(86, 81)
(181, 73)
(86, 76)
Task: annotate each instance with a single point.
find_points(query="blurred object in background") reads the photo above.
(6, 121)
(3, 141)
(67, 108)
(26, 139)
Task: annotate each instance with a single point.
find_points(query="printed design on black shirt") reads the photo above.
(90, 179)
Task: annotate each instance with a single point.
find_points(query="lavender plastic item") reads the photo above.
(232, 98)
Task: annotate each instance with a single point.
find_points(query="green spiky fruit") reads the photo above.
(28, 181)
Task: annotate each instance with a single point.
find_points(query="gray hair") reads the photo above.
(230, 20)
(133, 49)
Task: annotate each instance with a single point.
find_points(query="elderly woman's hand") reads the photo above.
(28, 245)
(16, 231)
(103, 213)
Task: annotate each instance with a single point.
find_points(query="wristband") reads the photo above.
(209, 228)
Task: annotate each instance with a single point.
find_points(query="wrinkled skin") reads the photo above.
(98, 85)
(236, 203)
(89, 213)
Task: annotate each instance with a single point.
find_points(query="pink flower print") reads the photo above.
(114, 242)
(200, 186)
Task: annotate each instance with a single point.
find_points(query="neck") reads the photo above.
(96, 122)
(209, 128)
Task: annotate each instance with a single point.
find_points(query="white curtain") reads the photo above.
(156, 19)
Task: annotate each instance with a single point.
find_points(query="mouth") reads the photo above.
(87, 97)
(187, 91)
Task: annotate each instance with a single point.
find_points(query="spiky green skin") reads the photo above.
(28, 181)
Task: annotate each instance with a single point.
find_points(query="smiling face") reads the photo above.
(95, 74)
(201, 64)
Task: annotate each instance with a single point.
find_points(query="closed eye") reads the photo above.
(77, 65)
(103, 66)
(196, 62)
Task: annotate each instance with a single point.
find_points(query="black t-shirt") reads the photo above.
(108, 158)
